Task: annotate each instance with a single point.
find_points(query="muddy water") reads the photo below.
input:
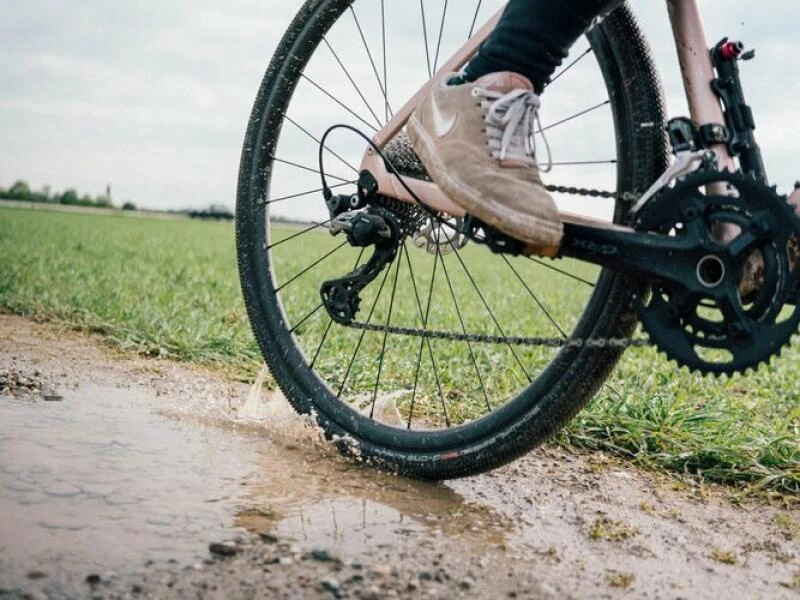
(106, 480)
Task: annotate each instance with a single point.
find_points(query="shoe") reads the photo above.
(476, 141)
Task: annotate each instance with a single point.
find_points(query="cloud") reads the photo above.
(154, 96)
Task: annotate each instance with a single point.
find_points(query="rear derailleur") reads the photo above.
(364, 226)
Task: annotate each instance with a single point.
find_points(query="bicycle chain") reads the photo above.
(407, 216)
(499, 339)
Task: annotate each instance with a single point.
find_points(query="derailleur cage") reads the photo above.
(364, 227)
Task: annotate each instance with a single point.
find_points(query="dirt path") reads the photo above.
(182, 470)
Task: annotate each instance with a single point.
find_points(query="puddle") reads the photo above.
(105, 481)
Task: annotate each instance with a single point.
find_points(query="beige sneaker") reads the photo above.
(476, 141)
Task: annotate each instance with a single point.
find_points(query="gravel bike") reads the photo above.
(429, 344)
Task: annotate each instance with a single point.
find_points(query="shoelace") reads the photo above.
(512, 120)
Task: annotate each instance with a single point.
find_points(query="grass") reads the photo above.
(725, 557)
(170, 288)
(603, 528)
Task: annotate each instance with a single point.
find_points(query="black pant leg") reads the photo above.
(533, 37)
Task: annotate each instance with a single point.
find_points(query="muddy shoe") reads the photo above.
(477, 142)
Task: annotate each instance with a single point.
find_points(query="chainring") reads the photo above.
(724, 325)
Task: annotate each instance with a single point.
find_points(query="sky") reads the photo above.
(153, 96)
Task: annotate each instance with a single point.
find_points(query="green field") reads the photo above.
(170, 288)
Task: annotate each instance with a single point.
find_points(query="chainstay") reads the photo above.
(497, 339)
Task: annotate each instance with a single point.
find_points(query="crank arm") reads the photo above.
(650, 256)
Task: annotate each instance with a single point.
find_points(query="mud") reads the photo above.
(152, 479)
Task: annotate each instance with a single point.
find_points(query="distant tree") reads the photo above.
(20, 190)
(70, 197)
(128, 205)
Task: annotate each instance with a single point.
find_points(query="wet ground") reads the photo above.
(125, 477)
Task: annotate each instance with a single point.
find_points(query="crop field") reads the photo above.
(169, 288)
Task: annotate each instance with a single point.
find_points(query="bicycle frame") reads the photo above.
(696, 68)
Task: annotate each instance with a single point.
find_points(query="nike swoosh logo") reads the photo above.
(441, 125)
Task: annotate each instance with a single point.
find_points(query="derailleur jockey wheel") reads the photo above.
(738, 308)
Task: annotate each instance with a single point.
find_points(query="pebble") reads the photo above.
(285, 560)
(372, 593)
(467, 583)
(36, 574)
(332, 586)
(93, 579)
(382, 570)
(222, 549)
(269, 538)
(321, 555)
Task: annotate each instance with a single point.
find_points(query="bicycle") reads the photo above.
(407, 333)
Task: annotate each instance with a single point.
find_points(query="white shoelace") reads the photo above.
(511, 124)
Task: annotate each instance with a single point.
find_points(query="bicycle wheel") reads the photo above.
(433, 386)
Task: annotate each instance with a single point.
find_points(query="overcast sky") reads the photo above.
(153, 96)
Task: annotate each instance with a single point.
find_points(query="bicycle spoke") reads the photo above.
(369, 56)
(308, 193)
(441, 33)
(541, 263)
(361, 337)
(321, 343)
(474, 19)
(330, 321)
(489, 310)
(424, 318)
(309, 169)
(339, 102)
(569, 66)
(385, 76)
(317, 140)
(352, 81)
(575, 116)
(298, 234)
(425, 36)
(306, 318)
(312, 265)
(535, 297)
(385, 336)
(464, 330)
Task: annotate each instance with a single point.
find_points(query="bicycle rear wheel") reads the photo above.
(437, 388)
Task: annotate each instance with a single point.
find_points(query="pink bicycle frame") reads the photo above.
(696, 68)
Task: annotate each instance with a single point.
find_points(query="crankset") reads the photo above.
(716, 274)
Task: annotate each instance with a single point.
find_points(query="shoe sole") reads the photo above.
(538, 232)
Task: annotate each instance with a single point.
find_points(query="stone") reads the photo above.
(332, 586)
(36, 574)
(467, 583)
(321, 555)
(222, 549)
